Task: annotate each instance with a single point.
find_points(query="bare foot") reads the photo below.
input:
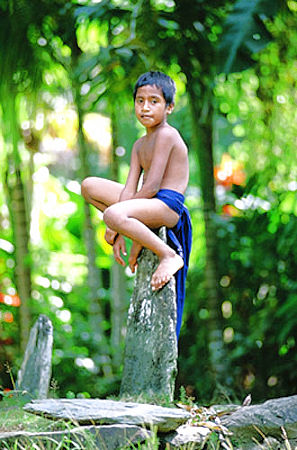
(166, 269)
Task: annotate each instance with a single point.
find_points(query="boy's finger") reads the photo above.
(122, 245)
(117, 255)
(123, 248)
(120, 261)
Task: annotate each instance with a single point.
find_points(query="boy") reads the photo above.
(162, 156)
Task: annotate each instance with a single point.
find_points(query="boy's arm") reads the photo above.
(133, 177)
(163, 147)
(127, 193)
(128, 190)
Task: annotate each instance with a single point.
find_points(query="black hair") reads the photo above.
(161, 81)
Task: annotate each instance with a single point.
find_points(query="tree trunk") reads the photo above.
(96, 317)
(118, 281)
(94, 275)
(17, 208)
(202, 129)
(16, 200)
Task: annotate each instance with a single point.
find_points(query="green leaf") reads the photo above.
(124, 52)
(288, 308)
(168, 24)
(245, 33)
(94, 11)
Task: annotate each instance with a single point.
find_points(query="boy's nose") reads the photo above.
(145, 106)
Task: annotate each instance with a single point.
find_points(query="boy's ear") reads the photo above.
(170, 108)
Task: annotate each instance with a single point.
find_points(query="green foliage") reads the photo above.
(256, 252)
(245, 33)
(88, 57)
(261, 288)
(258, 301)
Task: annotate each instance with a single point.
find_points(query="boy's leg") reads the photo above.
(101, 192)
(134, 218)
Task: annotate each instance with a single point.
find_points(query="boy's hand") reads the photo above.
(110, 236)
(119, 247)
(135, 250)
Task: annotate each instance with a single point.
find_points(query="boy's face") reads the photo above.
(150, 106)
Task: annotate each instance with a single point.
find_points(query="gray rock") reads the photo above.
(35, 373)
(187, 434)
(107, 437)
(94, 411)
(251, 423)
(271, 425)
(150, 362)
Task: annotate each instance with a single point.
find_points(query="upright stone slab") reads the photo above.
(150, 362)
(35, 373)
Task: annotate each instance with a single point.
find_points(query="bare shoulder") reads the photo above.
(170, 132)
(172, 136)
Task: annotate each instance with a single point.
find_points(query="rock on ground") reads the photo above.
(93, 411)
(187, 435)
(271, 425)
(107, 437)
(268, 418)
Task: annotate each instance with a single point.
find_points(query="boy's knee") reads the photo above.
(111, 216)
(85, 188)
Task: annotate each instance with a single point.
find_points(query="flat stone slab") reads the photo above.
(269, 417)
(250, 423)
(107, 437)
(95, 411)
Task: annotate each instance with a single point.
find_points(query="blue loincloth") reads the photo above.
(180, 239)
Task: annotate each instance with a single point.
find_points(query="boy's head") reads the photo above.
(161, 81)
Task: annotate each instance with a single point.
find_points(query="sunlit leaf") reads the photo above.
(245, 33)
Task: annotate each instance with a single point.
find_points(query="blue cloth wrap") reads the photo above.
(180, 239)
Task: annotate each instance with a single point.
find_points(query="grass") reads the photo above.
(14, 419)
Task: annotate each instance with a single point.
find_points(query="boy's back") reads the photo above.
(165, 145)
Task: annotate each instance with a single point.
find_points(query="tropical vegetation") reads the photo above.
(67, 74)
